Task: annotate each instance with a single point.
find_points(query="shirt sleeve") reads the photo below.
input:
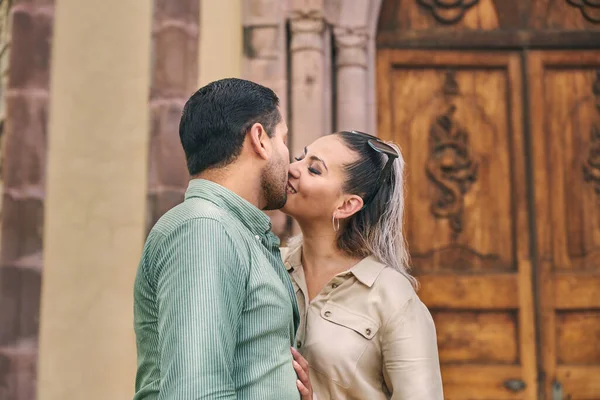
(200, 291)
(410, 354)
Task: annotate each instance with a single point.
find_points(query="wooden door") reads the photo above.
(458, 119)
(565, 125)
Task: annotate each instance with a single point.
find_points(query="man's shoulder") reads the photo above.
(195, 210)
(198, 224)
(194, 215)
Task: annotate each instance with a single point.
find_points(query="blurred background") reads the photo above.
(495, 103)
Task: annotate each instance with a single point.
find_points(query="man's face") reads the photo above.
(275, 175)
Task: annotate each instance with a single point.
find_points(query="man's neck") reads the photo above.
(246, 185)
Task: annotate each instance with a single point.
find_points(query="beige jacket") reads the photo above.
(367, 335)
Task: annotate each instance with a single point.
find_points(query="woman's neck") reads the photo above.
(320, 254)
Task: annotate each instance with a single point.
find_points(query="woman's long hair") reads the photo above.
(377, 229)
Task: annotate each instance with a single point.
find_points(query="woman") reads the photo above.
(364, 332)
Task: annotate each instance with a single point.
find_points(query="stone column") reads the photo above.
(308, 87)
(265, 62)
(97, 187)
(23, 173)
(174, 79)
(352, 79)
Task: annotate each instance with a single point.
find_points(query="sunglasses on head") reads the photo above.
(379, 146)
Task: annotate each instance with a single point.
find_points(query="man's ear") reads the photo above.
(350, 206)
(259, 140)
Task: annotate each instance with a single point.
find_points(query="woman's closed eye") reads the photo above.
(314, 171)
(311, 169)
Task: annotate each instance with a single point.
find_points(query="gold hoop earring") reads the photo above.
(335, 222)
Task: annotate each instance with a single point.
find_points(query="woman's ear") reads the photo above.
(350, 206)
(260, 142)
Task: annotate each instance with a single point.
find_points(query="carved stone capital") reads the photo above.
(307, 31)
(262, 42)
(264, 28)
(351, 45)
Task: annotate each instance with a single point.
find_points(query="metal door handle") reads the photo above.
(515, 385)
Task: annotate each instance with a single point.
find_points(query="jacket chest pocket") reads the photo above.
(337, 339)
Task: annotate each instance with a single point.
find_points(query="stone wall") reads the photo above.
(23, 173)
(4, 58)
(174, 77)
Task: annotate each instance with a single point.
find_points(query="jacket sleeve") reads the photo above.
(410, 354)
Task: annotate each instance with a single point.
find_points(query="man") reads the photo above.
(215, 311)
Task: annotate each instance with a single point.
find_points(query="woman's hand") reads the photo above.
(303, 382)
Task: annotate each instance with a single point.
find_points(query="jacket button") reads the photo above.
(368, 331)
(333, 286)
(327, 313)
(298, 344)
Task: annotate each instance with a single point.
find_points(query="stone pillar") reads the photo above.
(352, 79)
(310, 86)
(174, 79)
(23, 171)
(309, 105)
(265, 62)
(97, 187)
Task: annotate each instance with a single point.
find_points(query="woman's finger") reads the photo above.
(300, 359)
(302, 389)
(302, 374)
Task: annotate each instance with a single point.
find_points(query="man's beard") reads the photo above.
(273, 183)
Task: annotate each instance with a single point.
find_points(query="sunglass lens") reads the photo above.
(383, 147)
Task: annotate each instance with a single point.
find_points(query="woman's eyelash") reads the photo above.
(310, 169)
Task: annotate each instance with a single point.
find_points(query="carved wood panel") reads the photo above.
(590, 9)
(457, 117)
(455, 15)
(591, 164)
(450, 165)
(488, 24)
(565, 118)
(565, 14)
(448, 12)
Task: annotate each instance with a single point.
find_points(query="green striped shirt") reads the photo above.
(215, 312)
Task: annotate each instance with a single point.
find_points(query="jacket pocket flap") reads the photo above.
(361, 324)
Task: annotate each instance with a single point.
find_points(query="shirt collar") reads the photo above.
(254, 219)
(365, 271)
(292, 257)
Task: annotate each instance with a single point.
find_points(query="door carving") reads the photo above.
(450, 166)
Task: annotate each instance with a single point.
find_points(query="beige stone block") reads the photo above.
(220, 58)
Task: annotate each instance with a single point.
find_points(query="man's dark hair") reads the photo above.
(217, 117)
